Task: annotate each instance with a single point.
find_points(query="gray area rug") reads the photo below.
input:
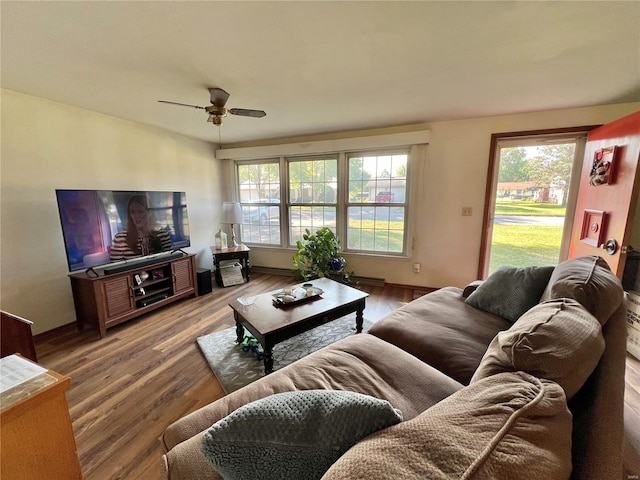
(235, 368)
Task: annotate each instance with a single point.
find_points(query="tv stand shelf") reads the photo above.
(108, 300)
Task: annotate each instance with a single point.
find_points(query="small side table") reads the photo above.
(240, 253)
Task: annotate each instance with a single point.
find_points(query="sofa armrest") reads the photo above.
(469, 289)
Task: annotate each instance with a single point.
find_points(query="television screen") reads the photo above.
(104, 226)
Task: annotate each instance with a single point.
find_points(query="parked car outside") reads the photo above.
(384, 197)
(261, 214)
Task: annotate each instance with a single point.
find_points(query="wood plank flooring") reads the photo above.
(129, 386)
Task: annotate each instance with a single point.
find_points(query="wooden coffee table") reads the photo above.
(271, 325)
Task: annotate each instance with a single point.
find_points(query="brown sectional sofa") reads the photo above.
(480, 396)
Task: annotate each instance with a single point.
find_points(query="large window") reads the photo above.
(360, 196)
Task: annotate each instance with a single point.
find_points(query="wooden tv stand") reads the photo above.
(108, 300)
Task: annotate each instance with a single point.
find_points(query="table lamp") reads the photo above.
(232, 214)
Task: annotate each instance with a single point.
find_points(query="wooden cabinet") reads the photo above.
(183, 276)
(36, 440)
(117, 296)
(107, 300)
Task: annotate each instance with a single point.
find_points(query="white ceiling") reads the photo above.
(320, 66)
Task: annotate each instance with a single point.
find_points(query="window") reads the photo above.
(259, 193)
(360, 196)
(313, 192)
(376, 205)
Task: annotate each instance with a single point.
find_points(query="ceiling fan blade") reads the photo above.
(181, 104)
(247, 112)
(218, 97)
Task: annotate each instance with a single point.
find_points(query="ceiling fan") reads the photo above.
(217, 110)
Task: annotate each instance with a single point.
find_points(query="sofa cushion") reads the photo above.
(296, 435)
(443, 331)
(510, 425)
(511, 291)
(557, 340)
(588, 280)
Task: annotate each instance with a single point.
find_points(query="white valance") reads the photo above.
(326, 146)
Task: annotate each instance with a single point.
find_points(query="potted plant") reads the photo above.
(320, 255)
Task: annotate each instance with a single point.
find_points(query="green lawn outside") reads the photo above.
(376, 235)
(529, 208)
(524, 245)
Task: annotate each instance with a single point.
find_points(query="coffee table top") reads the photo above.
(266, 318)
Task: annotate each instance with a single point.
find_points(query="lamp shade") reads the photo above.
(231, 213)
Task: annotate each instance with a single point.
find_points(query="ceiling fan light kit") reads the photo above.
(215, 119)
(217, 111)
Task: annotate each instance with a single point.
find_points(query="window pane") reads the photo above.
(377, 229)
(259, 181)
(378, 178)
(312, 218)
(313, 181)
(259, 187)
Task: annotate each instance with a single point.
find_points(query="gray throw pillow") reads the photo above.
(293, 435)
(509, 292)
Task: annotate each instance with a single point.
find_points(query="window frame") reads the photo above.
(410, 152)
(290, 242)
(342, 197)
(238, 196)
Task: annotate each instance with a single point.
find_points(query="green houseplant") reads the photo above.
(320, 255)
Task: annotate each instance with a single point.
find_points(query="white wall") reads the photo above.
(48, 145)
(452, 174)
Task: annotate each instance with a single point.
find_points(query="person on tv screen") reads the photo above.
(142, 236)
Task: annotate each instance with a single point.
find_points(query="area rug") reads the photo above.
(235, 368)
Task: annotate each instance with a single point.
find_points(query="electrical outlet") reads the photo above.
(466, 211)
(416, 268)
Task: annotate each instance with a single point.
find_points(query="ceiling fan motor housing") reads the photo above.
(215, 119)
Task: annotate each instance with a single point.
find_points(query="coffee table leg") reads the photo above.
(239, 332)
(268, 360)
(359, 319)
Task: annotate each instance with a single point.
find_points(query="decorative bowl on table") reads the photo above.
(249, 300)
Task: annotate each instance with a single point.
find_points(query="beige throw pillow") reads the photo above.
(557, 340)
(588, 280)
(508, 426)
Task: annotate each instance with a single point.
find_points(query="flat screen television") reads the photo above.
(105, 226)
